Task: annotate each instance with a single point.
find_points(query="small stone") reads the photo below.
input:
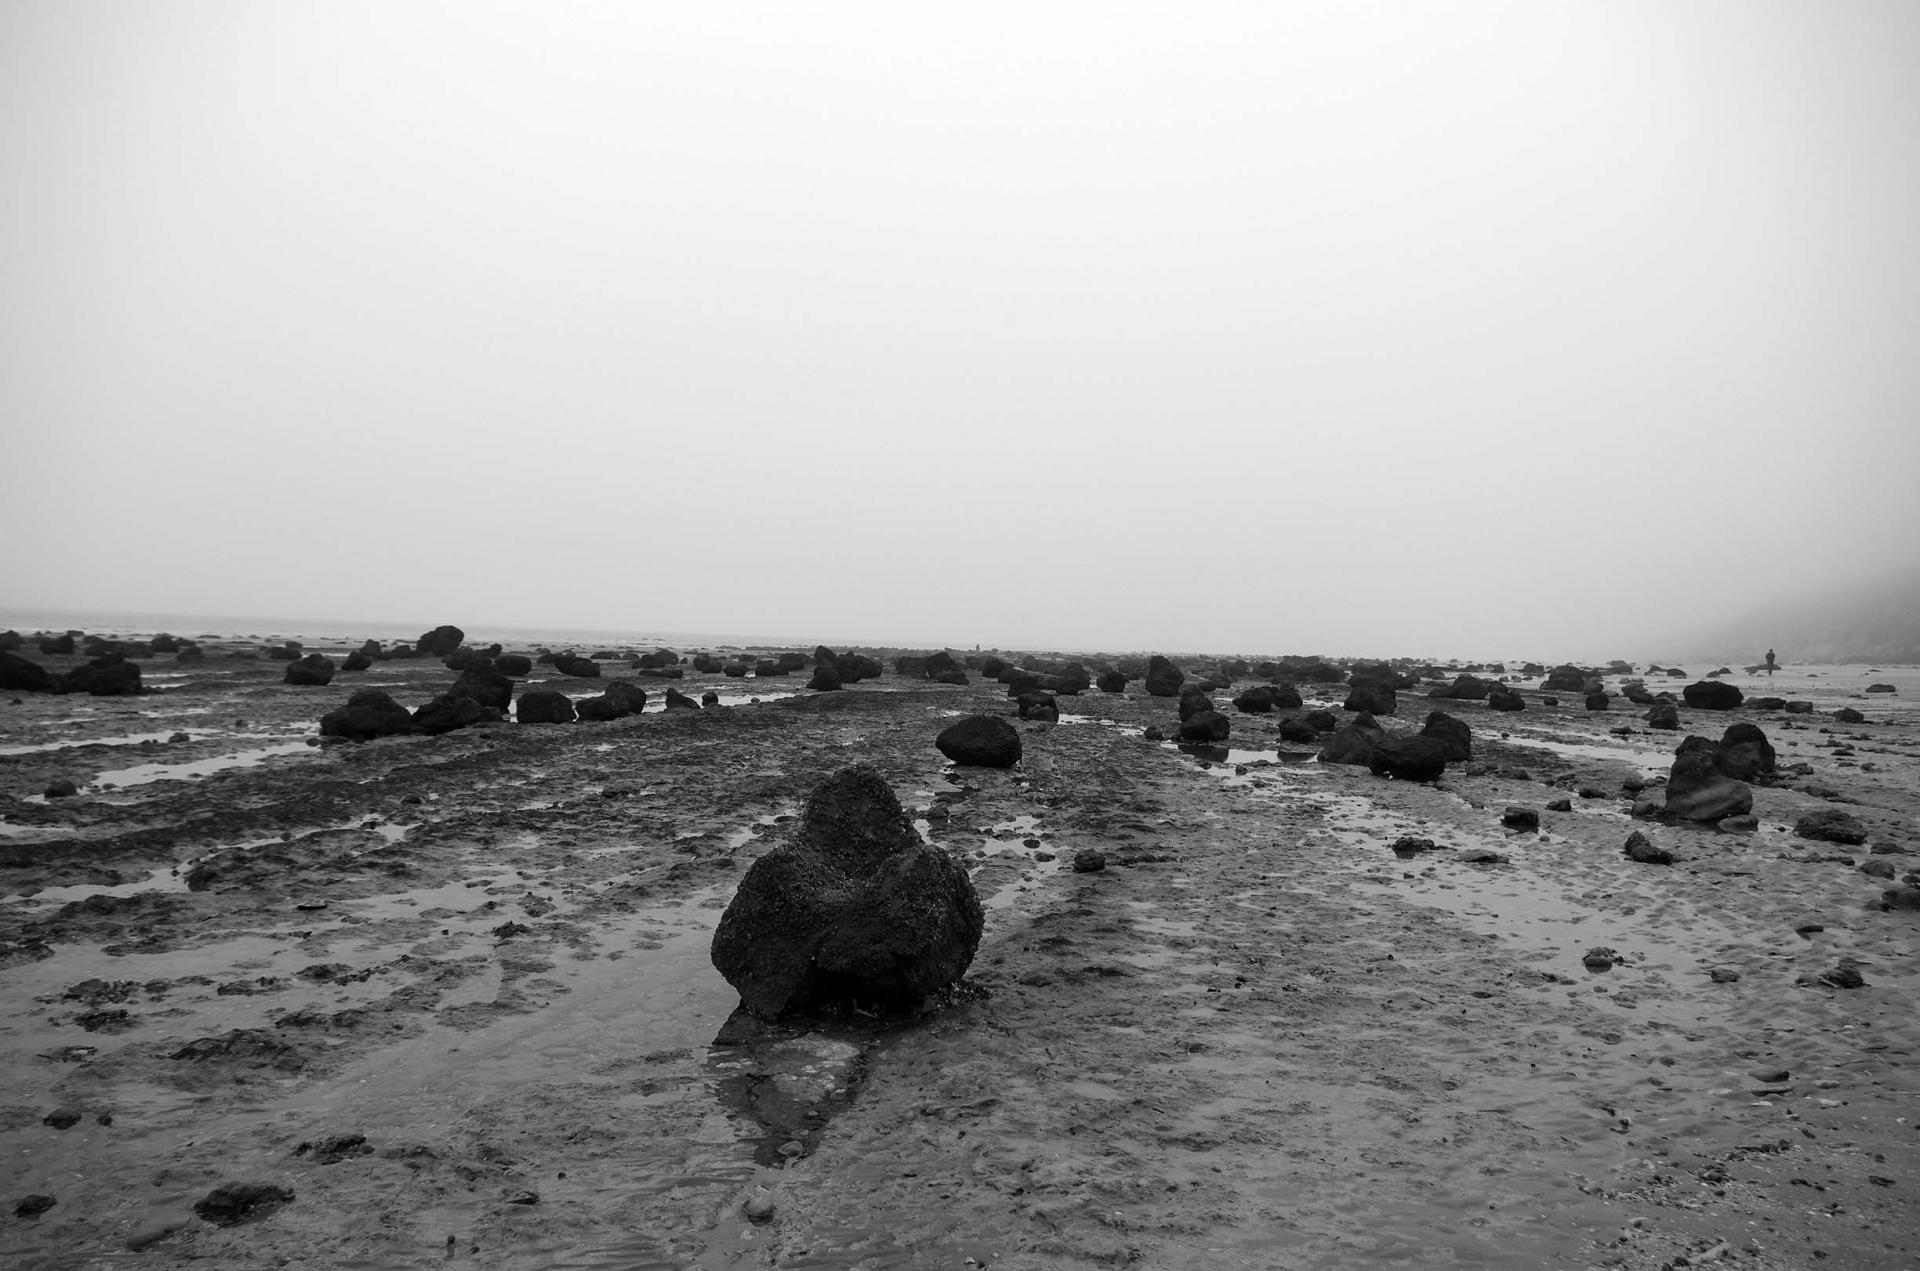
(1481, 856)
(1742, 824)
(232, 1203)
(1724, 975)
(61, 788)
(1519, 818)
(1770, 1076)
(1808, 928)
(1089, 860)
(793, 1148)
(1560, 805)
(759, 1208)
(62, 1118)
(33, 1206)
(524, 1198)
(1599, 959)
(1844, 976)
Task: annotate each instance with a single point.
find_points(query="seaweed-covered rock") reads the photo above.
(854, 910)
(369, 713)
(983, 741)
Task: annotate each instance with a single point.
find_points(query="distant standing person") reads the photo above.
(1771, 665)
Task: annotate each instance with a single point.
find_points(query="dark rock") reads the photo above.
(1844, 975)
(1906, 897)
(1372, 699)
(1415, 758)
(1697, 790)
(1481, 856)
(356, 661)
(232, 1203)
(1711, 695)
(545, 706)
(1560, 805)
(33, 1206)
(678, 701)
(1566, 678)
(854, 667)
(1207, 725)
(1322, 721)
(1871, 688)
(854, 909)
(63, 1118)
(20, 675)
(446, 712)
(1299, 731)
(1502, 698)
(108, 676)
(1848, 715)
(1039, 706)
(735, 670)
(1744, 753)
(1471, 688)
(618, 700)
(707, 664)
(826, 678)
(1600, 959)
(1520, 818)
(709, 698)
(1410, 845)
(1664, 715)
(440, 641)
(1452, 734)
(57, 646)
(513, 665)
(369, 713)
(1355, 743)
(1640, 848)
(61, 788)
(1163, 677)
(1830, 825)
(489, 688)
(572, 664)
(1598, 701)
(1193, 700)
(1111, 682)
(1089, 860)
(983, 741)
(335, 1148)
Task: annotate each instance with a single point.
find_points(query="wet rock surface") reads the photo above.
(1256, 1036)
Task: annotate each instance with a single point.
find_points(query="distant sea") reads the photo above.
(341, 631)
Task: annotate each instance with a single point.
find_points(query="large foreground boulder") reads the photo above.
(984, 741)
(369, 713)
(1696, 788)
(855, 910)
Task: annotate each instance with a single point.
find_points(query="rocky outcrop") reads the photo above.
(369, 713)
(855, 910)
(1452, 734)
(440, 642)
(1502, 698)
(1711, 695)
(1744, 753)
(545, 706)
(23, 675)
(1373, 698)
(449, 711)
(981, 741)
(1408, 758)
(618, 700)
(1206, 725)
(1163, 677)
(1696, 788)
(1355, 743)
(1831, 825)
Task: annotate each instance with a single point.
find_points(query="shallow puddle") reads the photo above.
(144, 774)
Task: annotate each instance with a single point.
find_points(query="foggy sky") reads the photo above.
(1428, 329)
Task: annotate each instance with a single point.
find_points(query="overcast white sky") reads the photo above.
(1421, 328)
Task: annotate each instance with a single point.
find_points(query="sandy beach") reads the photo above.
(451, 995)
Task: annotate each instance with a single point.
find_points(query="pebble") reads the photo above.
(759, 1208)
(1600, 959)
(31, 1206)
(1724, 975)
(1770, 1076)
(1089, 860)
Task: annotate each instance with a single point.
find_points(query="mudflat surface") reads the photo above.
(452, 994)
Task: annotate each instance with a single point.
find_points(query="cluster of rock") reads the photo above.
(1421, 756)
(109, 674)
(1709, 780)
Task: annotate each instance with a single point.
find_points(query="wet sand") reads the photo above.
(453, 993)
